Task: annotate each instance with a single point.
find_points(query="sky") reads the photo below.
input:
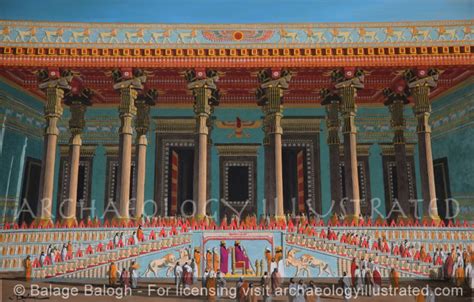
(236, 11)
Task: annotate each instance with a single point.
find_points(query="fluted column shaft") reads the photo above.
(53, 111)
(127, 111)
(273, 115)
(422, 111)
(141, 126)
(269, 95)
(348, 110)
(333, 141)
(399, 144)
(202, 110)
(76, 125)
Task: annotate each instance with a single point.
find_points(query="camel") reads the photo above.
(169, 260)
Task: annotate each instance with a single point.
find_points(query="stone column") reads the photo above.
(77, 106)
(420, 82)
(270, 97)
(202, 84)
(347, 82)
(128, 83)
(269, 153)
(54, 84)
(396, 101)
(332, 102)
(142, 124)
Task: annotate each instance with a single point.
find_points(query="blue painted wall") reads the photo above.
(21, 137)
(452, 137)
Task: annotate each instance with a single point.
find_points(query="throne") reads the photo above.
(237, 265)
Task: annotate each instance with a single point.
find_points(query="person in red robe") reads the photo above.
(396, 251)
(343, 238)
(224, 261)
(428, 258)
(439, 260)
(377, 277)
(240, 255)
(353, 269)
(375, 245)
(448, 267)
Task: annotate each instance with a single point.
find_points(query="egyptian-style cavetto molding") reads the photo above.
(389, 150)
(183, 36)
(237, 150)
(362, 149)
(301, 125)
(175, 125)
(86, 150)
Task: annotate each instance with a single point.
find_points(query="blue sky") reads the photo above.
(235, 11)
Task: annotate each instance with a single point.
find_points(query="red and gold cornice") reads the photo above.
(261, 57)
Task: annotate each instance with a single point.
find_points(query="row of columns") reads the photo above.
(135, 104)
(339, 100)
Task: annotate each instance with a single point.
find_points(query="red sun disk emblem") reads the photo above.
(238, 35)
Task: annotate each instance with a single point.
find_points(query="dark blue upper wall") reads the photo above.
(241, 11)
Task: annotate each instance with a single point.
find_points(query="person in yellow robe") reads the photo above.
(278, 254)
(394, 278)
(422, 253)
(268, 257)
(460, 275)
(28, 267)
(112, 274)
(420, 297)
(211, 285)
(197, 259)
(140, 234)
(215, 260)
(209, 260)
